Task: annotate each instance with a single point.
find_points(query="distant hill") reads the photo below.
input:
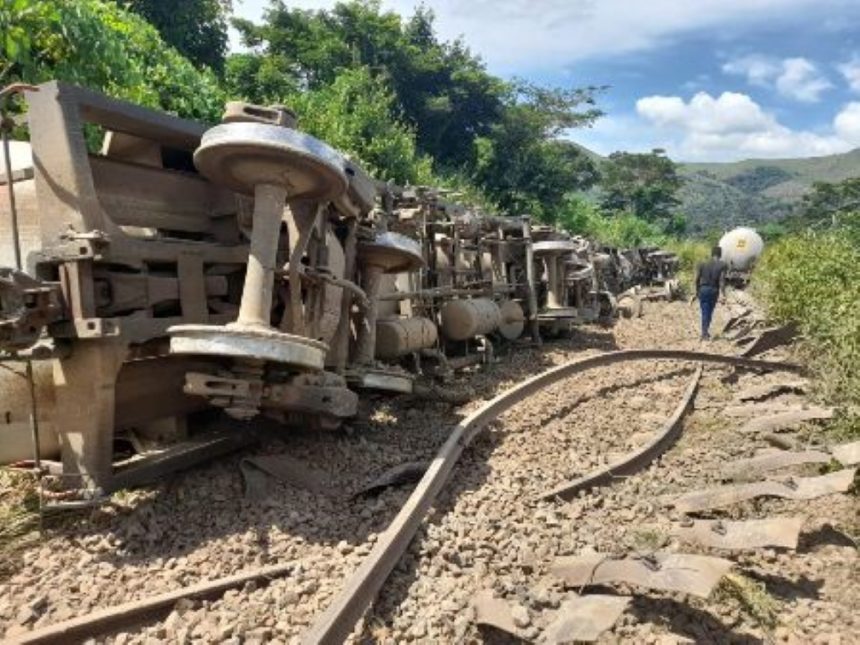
(753, 191)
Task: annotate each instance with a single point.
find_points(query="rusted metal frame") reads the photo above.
(335, 624)
(138, 612)
(638, 459)
(65, 187)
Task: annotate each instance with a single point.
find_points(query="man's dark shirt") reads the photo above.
(710, 273)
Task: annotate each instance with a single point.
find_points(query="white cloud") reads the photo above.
(758, 69)
(801, 80)
(523, 35)
(733, 126)
(847, 123)
(795, 78)
(851, 72)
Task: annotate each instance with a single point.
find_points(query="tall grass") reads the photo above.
(813, 279)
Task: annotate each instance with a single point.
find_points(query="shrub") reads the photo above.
(813, 279)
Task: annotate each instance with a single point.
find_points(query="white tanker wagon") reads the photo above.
(741, 249)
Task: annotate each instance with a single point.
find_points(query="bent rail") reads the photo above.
(637, 459)
(338, 620)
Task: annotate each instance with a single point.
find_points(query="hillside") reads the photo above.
(716, 196)
(753, 191)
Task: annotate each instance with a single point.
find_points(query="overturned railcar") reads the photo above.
(247, 270)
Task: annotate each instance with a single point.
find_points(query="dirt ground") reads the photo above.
(486, 524)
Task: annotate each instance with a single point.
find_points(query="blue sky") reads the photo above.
(708, 80)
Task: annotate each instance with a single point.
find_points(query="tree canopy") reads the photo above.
(644, 184)
(99, 45)
(383, 88)
(196, 28)
(506, 137)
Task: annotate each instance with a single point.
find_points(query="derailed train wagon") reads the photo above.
(246, 268)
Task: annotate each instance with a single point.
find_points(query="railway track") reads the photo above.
(340, 618)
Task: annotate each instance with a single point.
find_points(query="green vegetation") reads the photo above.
(353, 115)
(98, 45)
(752, 596)
(503, 138)
(719, 196)
(813, 278)
(643, 184)
(196, 28)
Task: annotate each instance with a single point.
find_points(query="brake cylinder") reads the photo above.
(464, 319)
(397, 337)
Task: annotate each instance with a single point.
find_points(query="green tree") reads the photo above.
(829, 204)
(97, 44)
(643, 184)
(523, 163)
(353, 114)
(508, 138)
(197, 28)
(441, 89)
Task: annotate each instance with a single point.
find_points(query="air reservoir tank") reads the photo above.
(741, 248)
(397, 337)
(463, 319)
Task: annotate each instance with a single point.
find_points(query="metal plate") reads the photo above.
(247, 342)
(798, 488)
(787, 420)
(749, 534)
(286, 469)
(847, 454)
(379, 380)
(748, 469)
(585, 618)
(493, 612)
(759, 392)
(685, 573)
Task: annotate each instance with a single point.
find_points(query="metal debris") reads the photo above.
(257, 470)
(790, 488)
(760, 392)
(681, 572)
(770, 338)
(749, 469)
(787, 420)
(758, 409)
(585, 618)
(493, 612)
(406, 473)
(749, 534)
(848, 454)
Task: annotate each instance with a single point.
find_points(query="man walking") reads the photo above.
(710, 285)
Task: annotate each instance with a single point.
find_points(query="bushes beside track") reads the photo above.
(813, 279)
